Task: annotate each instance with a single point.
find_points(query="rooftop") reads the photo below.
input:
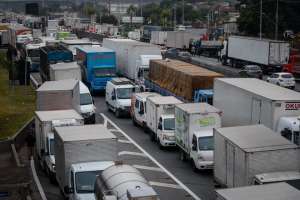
(57, 114)
(198, 108)
(68, 84)
(255, 138)
(62, 66)
(262, 88)
(164, 100)
(95, 49)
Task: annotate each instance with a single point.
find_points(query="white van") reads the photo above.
(87, 107)
(118, 94)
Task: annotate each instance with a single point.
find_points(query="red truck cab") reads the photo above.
(294, 62)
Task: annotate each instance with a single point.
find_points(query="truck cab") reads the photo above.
(82, 178)
(33, 56)
(118, 95)
(142, 68)
(166, 130)
(87, 107)
(138, 107)
(289, 127)
(50, 156)
(202, 152)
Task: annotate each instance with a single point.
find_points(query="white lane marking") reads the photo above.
(36, 179)
(125, 141)
(131, 153)
(168, 185)
(153, 160)
(148, 168)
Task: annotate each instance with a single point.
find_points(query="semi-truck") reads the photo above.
(269, 54)
(123, 182)
(161, 120)
(51, 55)
(194, 124)
(242, 152)
(58, 95)
(158, 37)
(246, 101)
(45, 121)
(180, 79)
(82, 153)
(133, 57)
(98, 66)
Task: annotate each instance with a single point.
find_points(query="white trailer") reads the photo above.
(128, 53)
(73, 44)
(58, 95)
(246, 101)
(82, 153)
(62, 71)
(194, 124)
(244, 151)
(160, 119)
(181, 39)
(263, 52)
(158, 37)
(45, 121)
(275, 191)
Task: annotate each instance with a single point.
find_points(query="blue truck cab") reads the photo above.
(98, 65)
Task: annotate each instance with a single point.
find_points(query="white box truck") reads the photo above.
(128, 54)
(246, 101)
(160, 119)
(275, 191)
(82, 153)
(239, 50)
(45, 121)
(194, 124)
(242, 152)
(62, 71)
(158, 37)
(181, 39)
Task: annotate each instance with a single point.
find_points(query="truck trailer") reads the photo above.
(246, 101)
(58, 95)
(239, 51)
(242, 152)
(62, 71)
(82, 153)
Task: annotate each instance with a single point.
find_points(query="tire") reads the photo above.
(182, 156)
(117, 113)
(161, 147)
(152, 137)
(52, 178)
(133, 121)
(278, 84)
(195, 169)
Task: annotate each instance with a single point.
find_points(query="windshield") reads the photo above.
(286, 76)
(85, 99)
(104, 72)
(143, 72)
(34, 53)
(85, 181)
(169, 124)
(124, 93)
(206, 143)
(51, 146)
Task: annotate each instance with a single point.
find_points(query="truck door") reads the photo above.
(230, 164)
(256, 111)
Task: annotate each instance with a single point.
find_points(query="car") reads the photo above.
(252, 71)
(282, 79)
(174, 53)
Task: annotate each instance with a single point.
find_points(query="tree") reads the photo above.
(89, 10)
(131, 11)
(165, 15)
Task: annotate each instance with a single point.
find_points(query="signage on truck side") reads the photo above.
(292, 106)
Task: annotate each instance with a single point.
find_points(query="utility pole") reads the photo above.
(260, 20)
(276, 24)
(175, 8)
(141, 7)
(183, 3)
(109, 7)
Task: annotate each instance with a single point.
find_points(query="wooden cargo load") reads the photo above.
(181, 78)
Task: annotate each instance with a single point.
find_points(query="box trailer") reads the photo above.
(45, 121)
(263, 52)
(128, 54)
(160, 119)
(244, 151)
(181, 39)
(194, 123)
(246, 101)
(62, 71)
(82, 152)
(275, 191)
(58, 95)
(158, 37)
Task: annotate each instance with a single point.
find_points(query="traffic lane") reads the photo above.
(200, 183)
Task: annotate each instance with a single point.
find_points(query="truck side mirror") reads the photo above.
(68, 190)
(194, 147)
(159, 126)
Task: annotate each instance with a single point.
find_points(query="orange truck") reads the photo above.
(293, 66)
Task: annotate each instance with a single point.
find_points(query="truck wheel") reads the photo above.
(133, 121)
(117, 113)
(195, 169)
(152, 137)
(161, 147)
(182, 156)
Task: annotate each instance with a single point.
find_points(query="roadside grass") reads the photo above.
(17, 103)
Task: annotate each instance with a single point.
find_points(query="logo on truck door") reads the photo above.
(292, 106)
(206, 121)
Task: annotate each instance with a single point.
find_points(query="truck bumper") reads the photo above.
(89, 119)
(205, 165)
(167, 143)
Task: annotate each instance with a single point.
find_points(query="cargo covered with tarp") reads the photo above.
(181, 78)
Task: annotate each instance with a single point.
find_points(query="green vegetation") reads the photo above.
(17, 103)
